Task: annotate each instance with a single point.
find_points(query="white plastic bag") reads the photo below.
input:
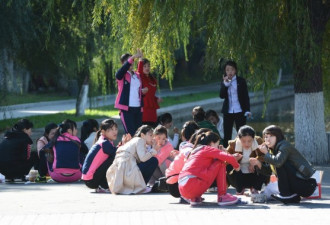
(271, 189)
(2, 178)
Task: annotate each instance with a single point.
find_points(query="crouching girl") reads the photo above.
(134, 164)
(101, 156)
(205, 164)
(293, 171)
(250, 158)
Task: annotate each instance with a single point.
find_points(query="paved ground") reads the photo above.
(75, 204)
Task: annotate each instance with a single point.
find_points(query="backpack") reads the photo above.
(48, 148)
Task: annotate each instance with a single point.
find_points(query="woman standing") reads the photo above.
(129, 97)
(150, 101)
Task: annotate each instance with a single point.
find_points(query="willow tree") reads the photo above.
(258, 34)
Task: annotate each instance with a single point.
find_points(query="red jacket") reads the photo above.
(201, 158)
(150, 104)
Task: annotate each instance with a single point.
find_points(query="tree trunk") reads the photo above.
(82, 100)
(310, 135)
(309, 123)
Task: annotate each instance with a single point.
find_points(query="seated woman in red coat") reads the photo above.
(150, 101)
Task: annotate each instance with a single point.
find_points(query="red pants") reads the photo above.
(195, 187)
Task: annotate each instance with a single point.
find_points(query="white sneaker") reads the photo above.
(102, 190)
(147, 190)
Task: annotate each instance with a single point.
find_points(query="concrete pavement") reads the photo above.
(76, 204)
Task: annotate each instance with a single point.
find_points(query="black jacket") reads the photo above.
(242, 92)
(14, 147)
(283, 152)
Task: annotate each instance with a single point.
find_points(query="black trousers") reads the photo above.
(43, 169)
(99, 178)
(174, 190)
(18, 169)
(289, 183)
(240, 180)
(147, 168)
(131, 119)
(228, 123)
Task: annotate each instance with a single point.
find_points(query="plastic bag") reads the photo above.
(2, 178)
(272, 187)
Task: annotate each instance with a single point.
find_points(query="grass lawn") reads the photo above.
(101, 112)
(15, 99)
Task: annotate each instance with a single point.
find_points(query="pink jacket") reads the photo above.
(172, 172)
(164, 153)
(123, 82)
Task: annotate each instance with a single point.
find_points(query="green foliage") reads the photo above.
(78, 39)
(14, 99)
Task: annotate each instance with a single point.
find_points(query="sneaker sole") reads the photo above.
(195, 203)
(227, 203)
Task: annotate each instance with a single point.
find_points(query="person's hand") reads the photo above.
(263, 148)
(159, 100)
(251, 168)
(138, 54)
(174, 153)
(175, 130)
(126, 138)
(221, 148)
(155, 145)
(255, 162)
(226, 78)
(144, 90)
(238, 168)
(248, 114)
(237, 156)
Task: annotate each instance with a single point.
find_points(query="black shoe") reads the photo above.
(286, 200)
(184, 201)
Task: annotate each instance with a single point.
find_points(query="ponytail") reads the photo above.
(198, 132)
(144, 129)
(206, 138)
(97, 136)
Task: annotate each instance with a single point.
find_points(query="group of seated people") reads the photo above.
(138, 163)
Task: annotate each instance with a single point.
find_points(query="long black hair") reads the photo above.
(22, 124)
(105, 125)
(198, 132)
(164, 118)
(275, 131)
(66, 125)
(189, 128)
(48, 128)
(160, 130)
(88, 127)
(206, 138)
(144, 129)
(246, 131)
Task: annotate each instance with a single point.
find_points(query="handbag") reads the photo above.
(49, 152)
